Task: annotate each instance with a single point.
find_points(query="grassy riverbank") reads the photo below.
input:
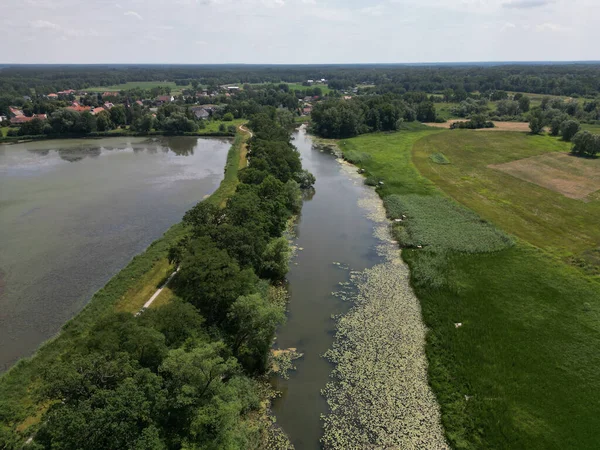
(519, 372)
(126, 291)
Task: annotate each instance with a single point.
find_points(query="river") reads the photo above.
(333, 235)
(74, 212)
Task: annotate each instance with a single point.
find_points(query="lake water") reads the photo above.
(332, 229)
(74, 212)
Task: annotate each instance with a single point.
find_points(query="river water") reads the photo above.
(74, 212)
(333, 235)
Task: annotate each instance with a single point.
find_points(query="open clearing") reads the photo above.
(499, 126)
(560, 172)
(519, 372)
(138, 85)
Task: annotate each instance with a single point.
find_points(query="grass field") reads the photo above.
(140, 85)
(521, 371)
(126, 291)
(591, 128)
(536, 214)
(212, 126)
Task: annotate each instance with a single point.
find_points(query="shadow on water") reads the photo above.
(333, 234)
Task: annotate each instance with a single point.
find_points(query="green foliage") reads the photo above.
(252, 321)
(568, 129)
(586, 144)
(228, 117)
(476, 122)
(536, 121)
(439, 158)
(354, 157)
(440, 224)
(305, 179)
(275, 260)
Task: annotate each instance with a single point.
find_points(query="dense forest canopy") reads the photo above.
(581, 79)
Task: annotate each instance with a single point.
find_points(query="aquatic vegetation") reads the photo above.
(379, 396)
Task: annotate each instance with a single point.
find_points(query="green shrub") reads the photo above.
(355, 157)
(371, 181)
(439, 158)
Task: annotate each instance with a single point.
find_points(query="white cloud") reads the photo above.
(134, 14)
(45, 24)
(507, 26)
(553, 27)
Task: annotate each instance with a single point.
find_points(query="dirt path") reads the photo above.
(157, 293)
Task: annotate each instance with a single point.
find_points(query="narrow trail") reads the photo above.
(157, 293)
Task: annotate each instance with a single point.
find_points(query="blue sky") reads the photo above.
(298, 31)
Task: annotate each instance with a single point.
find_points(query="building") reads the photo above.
(162, 99)
(139, 102)
(98, 110)
(52, 96)
(18, 120)
(108, 105)
(78, 108)
(110, 94)
(202, 114)
(67, 92)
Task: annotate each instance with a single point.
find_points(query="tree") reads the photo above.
(103, 121)
(212, 280)
(536, 121)
(275, 260)
(586, 144)
(252, 321)
(117, 115)
(524, 103)
(228, 117)
(305, 179)
(568, 129)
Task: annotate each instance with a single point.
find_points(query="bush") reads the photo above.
(228, 117)
(371, 181)
(586, 144)
(354, 157)
(568, 129)
(439, 158)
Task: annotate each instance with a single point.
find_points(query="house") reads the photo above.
(67, 92)
(310, 81)
(98, 110)
(108, 105)
(202, 114)
(138, 102)
(110, 94)
(78, 108)
(233, 88)
(306, 110)
(347, 97)
(15, 112)
(162, 99)
(3, 118)
(18, 120)
(52, 96)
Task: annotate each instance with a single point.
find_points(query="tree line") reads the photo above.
(339, 118)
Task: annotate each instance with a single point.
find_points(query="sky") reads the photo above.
(298, 31)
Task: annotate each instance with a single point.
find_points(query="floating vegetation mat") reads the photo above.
(379, 396)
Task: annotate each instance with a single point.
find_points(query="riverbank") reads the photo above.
(513, 330)
(20, 408)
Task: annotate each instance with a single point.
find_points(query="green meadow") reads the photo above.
(514, 329)
(138, 85)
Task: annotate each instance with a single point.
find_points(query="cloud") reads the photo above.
(65, 32)
(552, 27)
(526, 4)
(507, 26)
(375, 11)
(45, 24)
(134, 14)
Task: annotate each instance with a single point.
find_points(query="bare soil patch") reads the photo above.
(568, 175)
(499, 126)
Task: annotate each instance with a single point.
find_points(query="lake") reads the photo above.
(74, 212)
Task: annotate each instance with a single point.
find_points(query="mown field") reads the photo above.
(520, 369)
(126, 291)
(138, 85)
